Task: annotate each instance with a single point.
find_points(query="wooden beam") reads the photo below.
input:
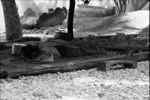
(26, 69)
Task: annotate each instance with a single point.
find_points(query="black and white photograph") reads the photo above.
(74, 50)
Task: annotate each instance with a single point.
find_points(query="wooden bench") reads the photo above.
(108, 64)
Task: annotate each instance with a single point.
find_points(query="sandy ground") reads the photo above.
(124, 84)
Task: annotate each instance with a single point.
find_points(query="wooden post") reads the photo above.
(70, 19)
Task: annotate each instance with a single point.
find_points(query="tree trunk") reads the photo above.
(70, 18)
(12, 21)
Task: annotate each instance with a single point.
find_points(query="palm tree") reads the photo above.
(12, 21)
(123, 6)
(120, 6)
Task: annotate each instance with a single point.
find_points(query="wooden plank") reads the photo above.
(25, 69)
(108, 64)
(18, 69)
(138, 56)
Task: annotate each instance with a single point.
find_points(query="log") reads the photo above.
(25, 69)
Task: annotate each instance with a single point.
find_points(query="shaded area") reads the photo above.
(53, 18)
(82, 53)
